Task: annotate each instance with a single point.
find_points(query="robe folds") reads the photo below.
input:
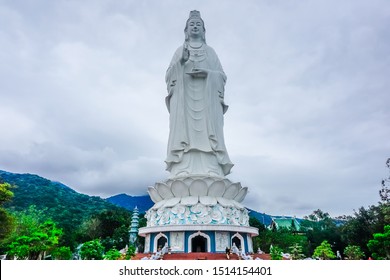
(196, 105)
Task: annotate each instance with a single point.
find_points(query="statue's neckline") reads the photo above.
(195, 47)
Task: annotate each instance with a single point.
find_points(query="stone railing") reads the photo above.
(240, 253)
(159, 254)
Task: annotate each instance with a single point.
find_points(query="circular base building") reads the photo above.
(198, 214)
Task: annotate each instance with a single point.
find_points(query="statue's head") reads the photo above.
(195, 26)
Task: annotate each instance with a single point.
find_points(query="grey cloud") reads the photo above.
(82, 96)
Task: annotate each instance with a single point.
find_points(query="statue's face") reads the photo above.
(195, 27)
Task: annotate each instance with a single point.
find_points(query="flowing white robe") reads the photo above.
(196, 104)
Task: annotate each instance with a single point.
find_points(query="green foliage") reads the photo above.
(111, 226)
(5, 193)
(358, 230)
(276, 253)
(324, 251)
(62, 253)
(92, 250)
(37, 241)
(130, 252)
(296, 252)
(283, 238)
(110, 220)
(6, 220)
(380, 245)
(67, 208)
(353, 252)
(254, 222)
(319, 226)
(112, 254)
(384, 195)
(257, 241)
(7, 223)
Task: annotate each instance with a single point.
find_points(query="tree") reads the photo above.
(359, 230)
(62, 253)
(112, 254)
(380, 245)
(254, 222)
(296, 252)
(384, 194)
(324, 251)
(130, 252)
(283, 238)
(37, 243)
(353, 252)
(319, 226)
(6, 220)
(67, 208)
(276, 253)
(92, 250)
(257, 241)
(110, 226)
(110, 220)
(90, 229)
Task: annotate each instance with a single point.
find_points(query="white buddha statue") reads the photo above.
(195, 101)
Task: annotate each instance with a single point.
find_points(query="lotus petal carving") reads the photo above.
(217, 189)
(241, 194)
(159, 204)
(238, 205)
(225, 202)
(188, 181)
(208, 181)
(232, 191)
(164, 191)
(198, 188)
(172, 202)
(189, 200)
(154, 195)
(192, 190)
(207, 200)
(180, 189)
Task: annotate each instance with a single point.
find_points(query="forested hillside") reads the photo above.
(73, 212)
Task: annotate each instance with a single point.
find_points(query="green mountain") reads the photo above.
(59, 199)
(68, 208)
(143, 203)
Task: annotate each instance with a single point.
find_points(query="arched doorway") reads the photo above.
(199, 244)
(159, 242)
(236, 241)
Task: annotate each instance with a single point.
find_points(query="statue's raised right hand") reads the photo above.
(185, 55)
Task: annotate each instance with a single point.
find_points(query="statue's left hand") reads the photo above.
(198, 72)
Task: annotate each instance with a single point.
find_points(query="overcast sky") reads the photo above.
(82, 94)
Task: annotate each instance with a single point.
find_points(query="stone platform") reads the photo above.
(202, 256)
(197, 214)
